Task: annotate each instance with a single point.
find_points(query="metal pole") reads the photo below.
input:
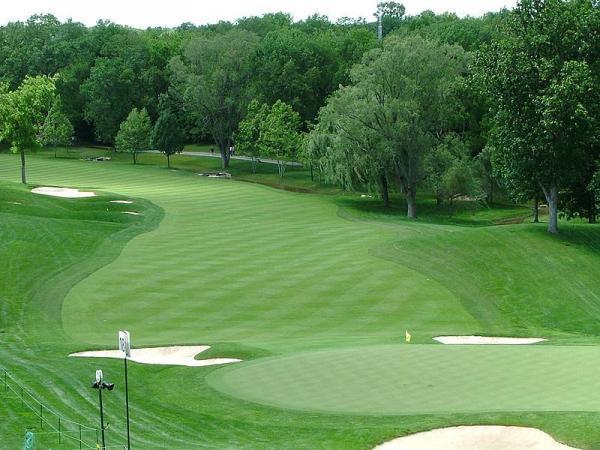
(101, 418)
(127, 405)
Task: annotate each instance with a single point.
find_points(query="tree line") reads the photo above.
(521, 111)
(459, 107)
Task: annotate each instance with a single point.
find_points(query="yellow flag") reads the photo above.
(408, 336)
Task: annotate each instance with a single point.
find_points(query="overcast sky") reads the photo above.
(169, 13)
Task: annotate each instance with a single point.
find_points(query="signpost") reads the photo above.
(125, 348)
(125, 343)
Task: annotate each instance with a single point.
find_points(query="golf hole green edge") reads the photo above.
(407, 379)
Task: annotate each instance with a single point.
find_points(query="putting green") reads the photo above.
(417, 379)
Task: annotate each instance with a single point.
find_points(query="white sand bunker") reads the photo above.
(124, 202)
(215, 174)
(62, 192)
(133, 213)
(477, 438)
(484, 340)
(171, 356)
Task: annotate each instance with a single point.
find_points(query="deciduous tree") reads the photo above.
(248, 135)
(57, 129)
(279, 135)
(214, 75)
(23, 112)
(348, 152)
(167, 136)
(543, 80)
(410, 98)
(134, 133)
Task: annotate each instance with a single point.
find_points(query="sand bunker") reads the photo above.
(484, 340)
(476, 438)
(124, 202)
(62, 192)
(133, 213)
(215, 174)
(171, 356)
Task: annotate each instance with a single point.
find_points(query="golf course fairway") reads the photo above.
(312, 292)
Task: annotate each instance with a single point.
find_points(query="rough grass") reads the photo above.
(261, 272)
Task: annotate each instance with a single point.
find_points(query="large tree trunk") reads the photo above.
(411, 200)
(168, 161)
(592, 210)
(224, 156)
(385, 195)
(536, 210)
(23, 175)
(552, 198)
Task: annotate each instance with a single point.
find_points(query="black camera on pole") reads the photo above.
(100, 384)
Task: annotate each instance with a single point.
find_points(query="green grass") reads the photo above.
(421, 379)
(262, 273)
(296, 179)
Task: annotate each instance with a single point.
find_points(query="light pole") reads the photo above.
(101, 385)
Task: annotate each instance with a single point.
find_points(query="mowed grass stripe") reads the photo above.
(207, 246)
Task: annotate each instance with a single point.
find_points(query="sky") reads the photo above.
(171, 13)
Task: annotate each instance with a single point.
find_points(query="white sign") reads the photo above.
(124, 343)
(98, 376)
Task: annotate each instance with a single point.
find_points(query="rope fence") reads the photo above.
(51, 424)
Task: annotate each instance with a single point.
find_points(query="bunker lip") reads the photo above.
(131, 213)
(62, 192)
(486, 340)
(489, 437)
(176, 355)
(124, 202)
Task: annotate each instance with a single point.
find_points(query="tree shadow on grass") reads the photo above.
(580, 235)
(459, 212)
